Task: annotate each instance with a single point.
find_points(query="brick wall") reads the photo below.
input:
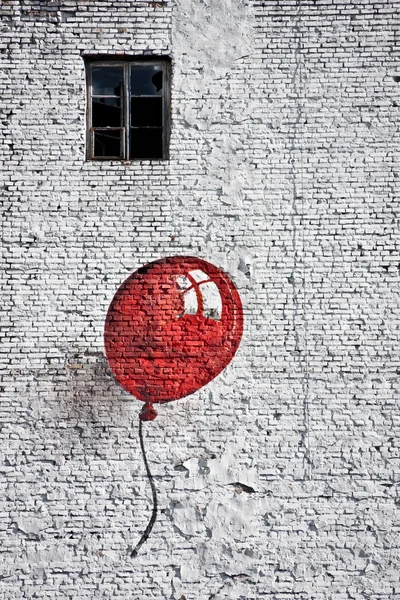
(278, 479)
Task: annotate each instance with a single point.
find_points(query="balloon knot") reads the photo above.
(148, 412)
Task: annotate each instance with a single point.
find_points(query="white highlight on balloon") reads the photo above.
(212, 301)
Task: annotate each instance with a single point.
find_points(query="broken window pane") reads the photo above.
(146, 80)
(106, 112)
(146, 143)
(107, 81)
(108, 143)
(146, 112)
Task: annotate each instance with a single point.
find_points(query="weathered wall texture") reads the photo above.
(279, 479)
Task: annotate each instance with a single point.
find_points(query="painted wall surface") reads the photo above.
(279, 479)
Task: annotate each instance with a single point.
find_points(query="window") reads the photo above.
(128, 109)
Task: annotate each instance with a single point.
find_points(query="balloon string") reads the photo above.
(149, 527)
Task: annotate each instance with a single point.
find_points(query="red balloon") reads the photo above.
(172, 327)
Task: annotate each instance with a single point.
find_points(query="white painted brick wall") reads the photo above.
(283, 171)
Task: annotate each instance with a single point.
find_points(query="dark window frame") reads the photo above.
(165, 65)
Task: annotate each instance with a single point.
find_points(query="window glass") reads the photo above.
(106, 112)
(108, 143)
(107, 81)
(146, 143)
(146, 112)
(146, 80)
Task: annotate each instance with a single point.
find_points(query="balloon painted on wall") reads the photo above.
(171, 327)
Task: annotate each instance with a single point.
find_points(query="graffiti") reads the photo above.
(172, 327)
